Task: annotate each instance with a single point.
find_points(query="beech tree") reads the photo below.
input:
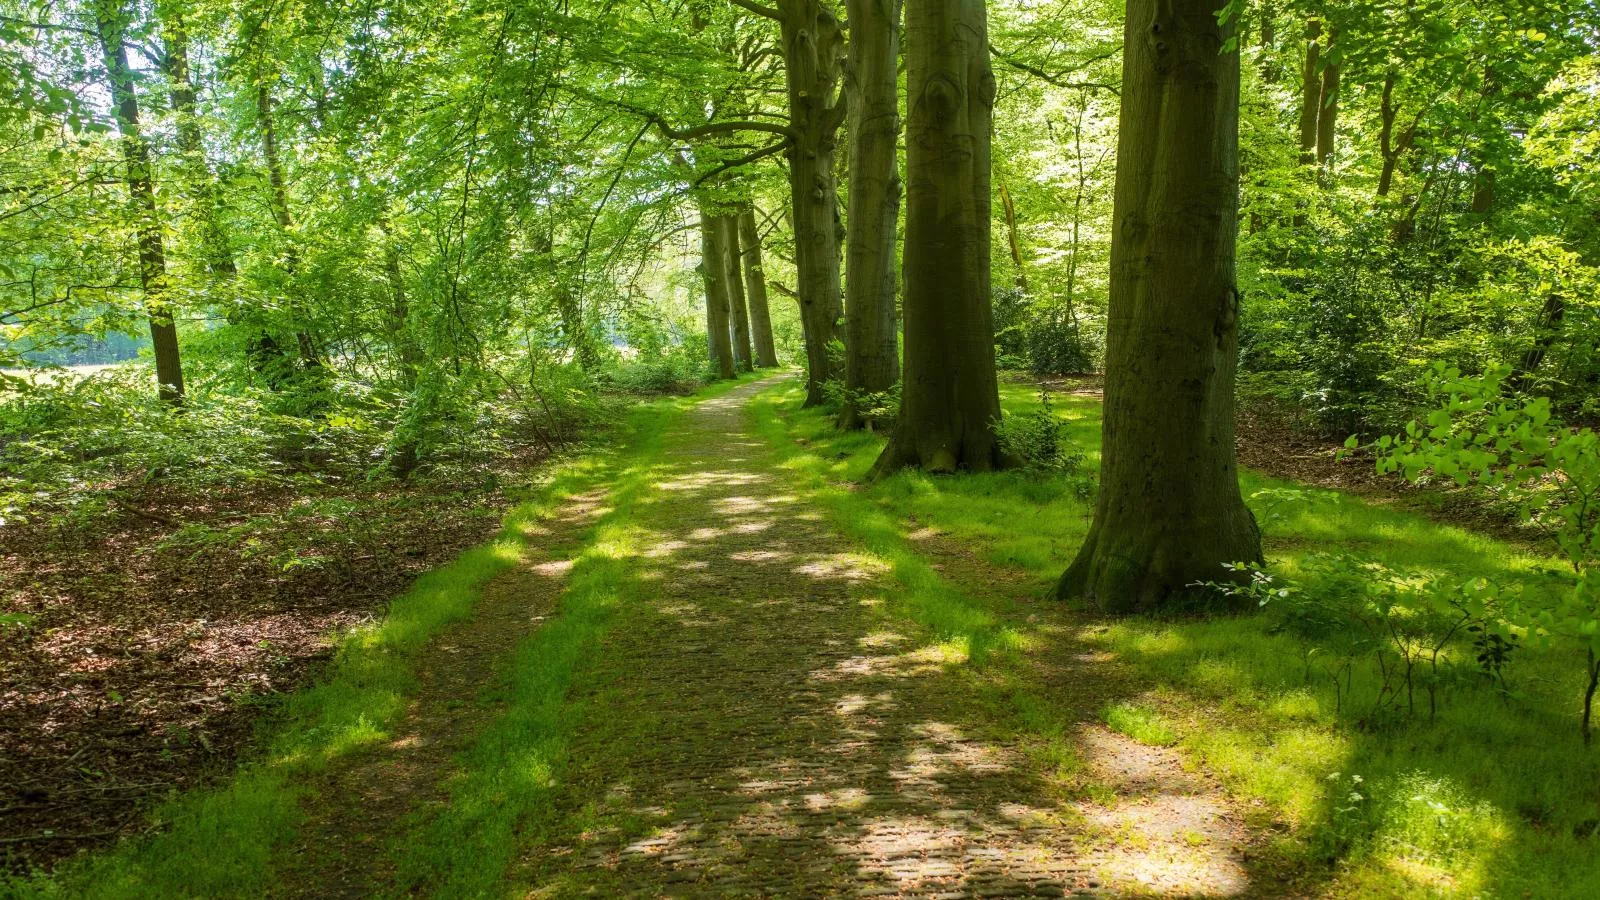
(872, 352)
(1169, 512)
(111, 20)
(812, 44)
(755, 288)
(714, 270)
(738, 311)
(950, 400)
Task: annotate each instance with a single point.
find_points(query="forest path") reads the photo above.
(764, 724)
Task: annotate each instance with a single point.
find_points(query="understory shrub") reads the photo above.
(1040, 441)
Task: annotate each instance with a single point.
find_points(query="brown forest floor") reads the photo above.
(1271, 442)
(159, 638)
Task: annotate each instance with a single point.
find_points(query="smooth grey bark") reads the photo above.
(872, 353)
(950, 397)
(714, 271)
(1169, 511)
(812, 44)
(755, 289)
(738, 312)
(111, 19)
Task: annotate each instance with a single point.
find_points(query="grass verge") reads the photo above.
(1495, 795)
(221, 842)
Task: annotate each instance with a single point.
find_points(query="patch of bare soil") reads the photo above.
(155, 637)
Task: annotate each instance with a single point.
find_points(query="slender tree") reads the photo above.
(111, 22)
(1310, 90)
(872, 354)
(1328, 105)
(1169, 512)
(714, 270)
(755, 288)
(950, 400)
(738, 312)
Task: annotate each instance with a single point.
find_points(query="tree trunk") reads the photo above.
(1328, 106)
(1310, 91)
(1008, 208)
(738, 312)
(872, 353)
(950, 400)
(405, 344)
(1169, 512)
(111, 20)
(715, 273)
(1548, 329)
(216, 248)
(1388, 110)
(812, 40)
(755, 289)
(1269, 43)
(266, 117)
(1483, 192)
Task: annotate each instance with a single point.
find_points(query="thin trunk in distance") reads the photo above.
(111, 20)
(755, 289)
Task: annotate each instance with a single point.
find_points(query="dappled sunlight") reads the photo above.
(796, 736)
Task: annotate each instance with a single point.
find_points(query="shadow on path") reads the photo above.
(765, 727)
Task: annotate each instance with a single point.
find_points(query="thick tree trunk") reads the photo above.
(812, 41)
(1310, 91)
(872, 354)
(1169, 512)
(111, 20)
(715, 273)
(1328, 106)
(738, 312)
(950, 399)
(755, 289)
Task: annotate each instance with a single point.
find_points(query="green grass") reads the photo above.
(1496, 796)
(222, 842)
(1140, 722)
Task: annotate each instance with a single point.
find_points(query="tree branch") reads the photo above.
(745, 160)
(1057, 79)
(763, 11)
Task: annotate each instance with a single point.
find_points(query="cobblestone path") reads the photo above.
(782, 735)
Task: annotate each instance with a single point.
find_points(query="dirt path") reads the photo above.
(358, 809)
(765, 727)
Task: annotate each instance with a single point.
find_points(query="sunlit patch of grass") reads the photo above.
(1139, 722)
(223, 842)
(1258, 706)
